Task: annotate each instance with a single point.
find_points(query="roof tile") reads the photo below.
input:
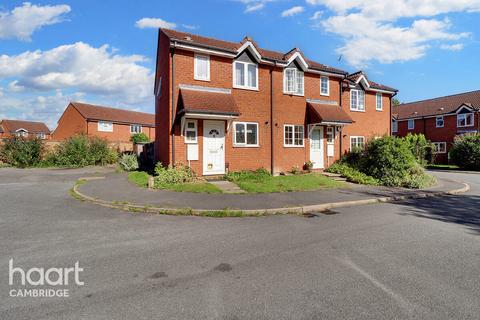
(95, 112)
(30, 126)
(207, 102)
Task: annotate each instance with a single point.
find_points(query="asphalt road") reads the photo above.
(418, 259)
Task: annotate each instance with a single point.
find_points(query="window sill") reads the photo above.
(379, 110)
(353, 110)
(294, 94)
(325, 94)
(246, 88)
(245, 146)
(199, 79)
(286, 146)
(191, 142)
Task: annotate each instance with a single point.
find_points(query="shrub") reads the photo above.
(465, 152)
(352, 174)
(388, 159)
(418, 179)
(128, 162)
(295, 170)
(80, 151)
(172, 175)
(139, 138)
(421, 148)
(308, 166)
(21, 152)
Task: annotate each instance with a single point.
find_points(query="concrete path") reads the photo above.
(116, 188)
(227, 186)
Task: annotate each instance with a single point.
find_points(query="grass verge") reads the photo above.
(262, 182)
(139, 178)
(197, 187)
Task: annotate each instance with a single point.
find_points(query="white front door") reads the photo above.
(316, 147)
(213, 147)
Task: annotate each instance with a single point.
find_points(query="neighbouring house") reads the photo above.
(21, 128)
(115, 125)
(439, 119)
(229, 106)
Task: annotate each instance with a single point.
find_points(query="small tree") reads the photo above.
(421, 148)
(465, 151)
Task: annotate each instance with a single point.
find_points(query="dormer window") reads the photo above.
(201, 67)
(293, 81)
(465, 120)
(357, 100)
(245, 75)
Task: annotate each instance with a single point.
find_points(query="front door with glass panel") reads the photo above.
(316, 147)
(213, 147)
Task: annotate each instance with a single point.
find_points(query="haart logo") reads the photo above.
(43, 277)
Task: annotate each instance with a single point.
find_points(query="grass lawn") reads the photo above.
(140, 179)
(255, 182)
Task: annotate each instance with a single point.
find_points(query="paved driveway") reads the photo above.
(418, 259)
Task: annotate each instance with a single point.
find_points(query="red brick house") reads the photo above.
(228, 106)
(439, 119)
(21, 128)
(115, 125)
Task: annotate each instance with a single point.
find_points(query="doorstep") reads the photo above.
(227, 186)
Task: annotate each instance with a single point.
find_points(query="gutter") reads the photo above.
(172, 54)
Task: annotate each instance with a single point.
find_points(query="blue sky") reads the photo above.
(103, 52)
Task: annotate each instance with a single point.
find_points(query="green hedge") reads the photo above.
(21, 152)
(465, 152)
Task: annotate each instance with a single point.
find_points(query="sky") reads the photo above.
(103, 52)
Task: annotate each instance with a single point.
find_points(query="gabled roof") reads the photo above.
(357, 77)
(205, 102)
(438, 106)
(232, 47)
(95, 112)
(30, 126)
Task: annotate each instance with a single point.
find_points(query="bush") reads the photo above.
(80, 151)
(388, 160)
(139, 138)
(128, 162)
(172, 175)
(352, 174)
(421, 148)
(418, 178)
(465, 152)
(21, 152)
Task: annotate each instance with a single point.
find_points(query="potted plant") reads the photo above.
(308, 166)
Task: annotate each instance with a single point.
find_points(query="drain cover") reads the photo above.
(329, 212)
(310, 215)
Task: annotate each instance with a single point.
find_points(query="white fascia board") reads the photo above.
(298, 55)
(463, 106)
(362, 78)
(382, 91)
(252, 49)
(327, 74)
(21, 129)
(204, 50)
(192, 115)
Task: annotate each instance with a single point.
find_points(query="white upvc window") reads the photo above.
(411, 124)
(245, 75)
(201, 67)
(394, 126)
(379, 102)
(465, 120)
(135, 128)
(330, 135)
(357, 100)
(357, 142)
(104, 126)
(41, 135)
(21, 133)
(293, 136)
(191, 131)
(440, 147)
(439, 122)
(293, 81)
(246, 134)
(324, 86)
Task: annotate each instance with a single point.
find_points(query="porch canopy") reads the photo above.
(326, 114)
(197, 104)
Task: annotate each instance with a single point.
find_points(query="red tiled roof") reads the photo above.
(232, 47)
(207, 102)
(319, 113)
(30, 126)
(94, 112)
(437, 106)
(353, 77)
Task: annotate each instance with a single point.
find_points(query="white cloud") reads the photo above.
(293, 11)
(452, 47)
(14, 87)
(251, 7)
(154, 23)
(80, 67)
(371, 31)
(189, 26)
(317, 15)
(23, 21)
